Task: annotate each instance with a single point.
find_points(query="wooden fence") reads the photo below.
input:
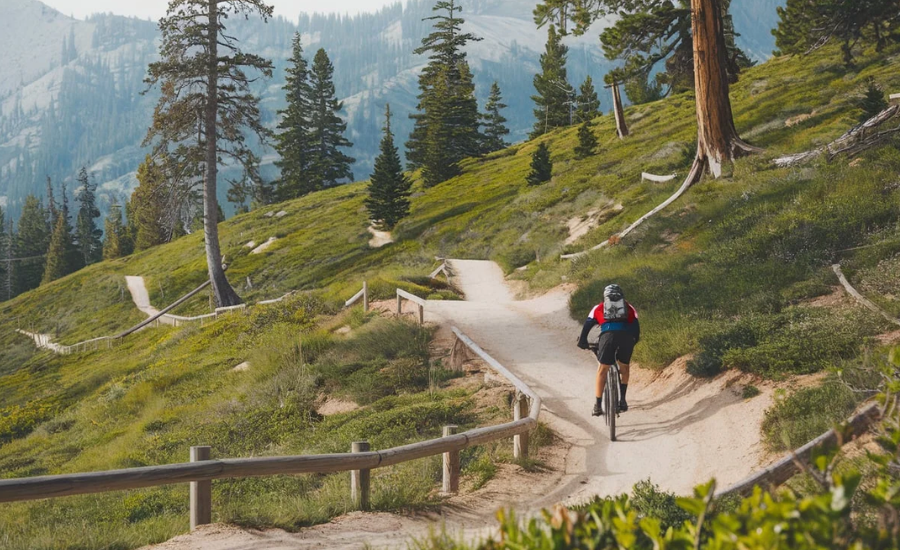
(403, 295)
(361, 295)
(201, 470)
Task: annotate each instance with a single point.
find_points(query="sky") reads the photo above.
(154, 9)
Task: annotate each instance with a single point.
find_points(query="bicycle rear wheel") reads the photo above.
(612, 402)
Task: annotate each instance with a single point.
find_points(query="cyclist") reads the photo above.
(620, 331)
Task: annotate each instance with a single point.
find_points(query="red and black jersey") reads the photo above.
(595, 317)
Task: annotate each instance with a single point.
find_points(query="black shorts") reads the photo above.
(615, 346)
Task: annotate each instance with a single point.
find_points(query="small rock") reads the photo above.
(269, 214)
(281, 214)
(251, 244)
(264, 246)
(242, 367)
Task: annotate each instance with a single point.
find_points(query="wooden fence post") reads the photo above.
(201, 492)
(359, 479)
(399, 304)
(450, 483)
(365, 297)
(520, 442)
(421, 314)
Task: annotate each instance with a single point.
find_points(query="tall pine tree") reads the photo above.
(58, 262)
(446, 128)
(207, 110)
(148, 207)
(328, 165)
(552, 107)
(494, 123)
(87, 234)
(293, 139)
(588, 102)
(31, 244)
(115, 231)
(389, 188)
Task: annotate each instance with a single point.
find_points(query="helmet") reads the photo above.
(614, 293)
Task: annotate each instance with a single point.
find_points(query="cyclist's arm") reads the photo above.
(588, 325)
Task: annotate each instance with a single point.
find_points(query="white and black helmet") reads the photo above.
(613, 293)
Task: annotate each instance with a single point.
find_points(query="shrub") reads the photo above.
(807, 414)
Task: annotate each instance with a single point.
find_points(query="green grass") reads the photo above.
(725, 274)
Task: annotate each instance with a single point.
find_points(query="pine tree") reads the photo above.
(587, 141)
(541, 165)
(446, 124)
(147, 210)
(31, 244)
(52, 211)
(87, 235)
(554, 94)
(293, 138)
(328, 165)
(207, 109)
(4, 265)
(114, 229)
(58, 264)
(72, 252)
(389, 188)
(494, 123)
(588, 102)
(9, 280)
(873, 102)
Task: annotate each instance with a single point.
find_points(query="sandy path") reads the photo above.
(141, 299)
(679, 432)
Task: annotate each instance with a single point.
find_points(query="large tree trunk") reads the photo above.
(619, 112)
(717, 140)
(224, 294)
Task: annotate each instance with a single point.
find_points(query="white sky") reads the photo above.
(154, 9)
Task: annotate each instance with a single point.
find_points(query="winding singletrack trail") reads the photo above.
(141, 299)
(679, 432)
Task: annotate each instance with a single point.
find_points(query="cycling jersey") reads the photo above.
(631, 325)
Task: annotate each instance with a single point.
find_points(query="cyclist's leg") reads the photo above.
(602, 370)
(624, 371)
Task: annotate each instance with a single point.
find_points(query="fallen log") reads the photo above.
(855, 141)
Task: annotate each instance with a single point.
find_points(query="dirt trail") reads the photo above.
(679, 432)
(141, 299)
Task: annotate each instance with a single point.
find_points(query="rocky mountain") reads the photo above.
(70, 90)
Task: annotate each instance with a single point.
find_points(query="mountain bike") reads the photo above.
(611, 395)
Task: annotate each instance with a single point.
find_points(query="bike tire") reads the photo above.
(612, 392)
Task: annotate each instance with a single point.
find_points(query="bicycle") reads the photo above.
(610, 395)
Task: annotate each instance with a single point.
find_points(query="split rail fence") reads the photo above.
(201, 470)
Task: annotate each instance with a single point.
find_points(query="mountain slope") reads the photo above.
(736, 275)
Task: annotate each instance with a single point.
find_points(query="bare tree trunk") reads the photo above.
(225, 295)
(619, 112)
(717, 140)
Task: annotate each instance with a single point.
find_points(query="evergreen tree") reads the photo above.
(873, 102)
(805, 26)
(88, 236)
(588, 102)
(8, 251)
(328, 165)
(554, 94)
(494, 123)
(72, 252)
(58, 263)
(207, 107)
(31, 244)
(446, 123)
(148, 206)
(541, 165)
(52, 211)
(293, 139)
(115, 231)
(587, 141)
(389, 188)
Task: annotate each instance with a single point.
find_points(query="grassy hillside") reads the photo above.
(728, 274)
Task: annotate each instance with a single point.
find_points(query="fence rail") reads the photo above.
(403, 295)
(199, 471)
(361, 295)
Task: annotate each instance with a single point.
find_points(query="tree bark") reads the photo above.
(224, 294)
(717, 139)
(619, 112)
